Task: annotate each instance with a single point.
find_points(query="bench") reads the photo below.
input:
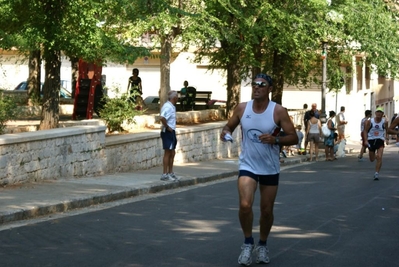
(201, 98)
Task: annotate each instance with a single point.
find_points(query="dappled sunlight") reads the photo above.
(295, 233)
(200, 226)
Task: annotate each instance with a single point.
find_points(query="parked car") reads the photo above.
(23, 86)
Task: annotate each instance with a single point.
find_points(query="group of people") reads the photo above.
(313, 132)
(261, 122)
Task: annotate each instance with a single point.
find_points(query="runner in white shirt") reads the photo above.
(374, 137)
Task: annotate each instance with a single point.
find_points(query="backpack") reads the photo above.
(325, 130)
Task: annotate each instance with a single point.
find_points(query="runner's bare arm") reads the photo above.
(233, 122)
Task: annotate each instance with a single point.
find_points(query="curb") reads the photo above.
(115, 195)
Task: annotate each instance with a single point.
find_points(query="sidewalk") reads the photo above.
(26, 201)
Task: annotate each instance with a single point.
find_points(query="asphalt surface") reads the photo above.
(32, 200)
(326, 214)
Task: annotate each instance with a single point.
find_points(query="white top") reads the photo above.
(168, 111)
(314, 128)
(377, 130)
(340, 118)
(362, 124)
(258, 158)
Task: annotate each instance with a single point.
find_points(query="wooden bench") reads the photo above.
(201, 98)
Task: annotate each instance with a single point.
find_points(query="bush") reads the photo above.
(118, 110)
(8, 110)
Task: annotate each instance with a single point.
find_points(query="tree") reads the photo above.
(72, 27)
(284, 38)
(165, 27)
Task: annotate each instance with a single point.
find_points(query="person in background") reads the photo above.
(135, 89)
(168, 136)
(261, 120)
(183, 95)
(307, 118)
(329, 141)
(313, 135)
(341, 122)
(396, 127)
(367, 116)
(375, 133)
(336, 144)
(300, 139)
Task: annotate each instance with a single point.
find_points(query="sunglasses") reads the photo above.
(260, 84)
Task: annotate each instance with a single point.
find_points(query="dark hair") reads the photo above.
(305, 106)
(332, 113)
(311, 113)
(367, 113)
(342, 108)
(268, 79)
(135, 69)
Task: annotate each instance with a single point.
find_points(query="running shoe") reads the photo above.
(262, 254)
(166, 177)
(245, 257)
(173, 176)
(360, 159)
(376, 176)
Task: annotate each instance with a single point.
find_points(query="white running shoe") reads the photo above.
(262, 254)
(376, 176)
(173, 176)
(166, 177)
(245, 257)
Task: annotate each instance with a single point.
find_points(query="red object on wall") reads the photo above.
(89, 78)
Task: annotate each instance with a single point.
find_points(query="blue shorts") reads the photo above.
(271, 179)
(169, 140)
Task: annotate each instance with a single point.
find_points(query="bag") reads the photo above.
(324, 129)
(341, 149)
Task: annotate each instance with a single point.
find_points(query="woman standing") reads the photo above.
(135, 89)
(313, 135)
(329, 141)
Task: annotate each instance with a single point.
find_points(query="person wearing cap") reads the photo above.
(367, 116)
(261, 120)
(375, 134)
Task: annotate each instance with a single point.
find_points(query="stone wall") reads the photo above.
(86, 151)
(51, 154)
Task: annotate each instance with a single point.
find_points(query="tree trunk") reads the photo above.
(233, 88)
(74, 75)
(258, 57)
(34, 83)
(166, 54)
(278, 77)
(51, 91)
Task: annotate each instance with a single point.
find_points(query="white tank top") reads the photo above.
(377, 130)
(314, 128)
(258, 158)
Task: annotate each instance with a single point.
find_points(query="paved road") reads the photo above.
(326, 214)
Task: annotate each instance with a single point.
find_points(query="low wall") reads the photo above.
(86, 151)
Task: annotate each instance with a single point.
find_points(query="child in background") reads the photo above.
(300, 138)
(336, 144)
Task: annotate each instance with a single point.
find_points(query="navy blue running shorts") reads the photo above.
(271, 179)
(169, 140)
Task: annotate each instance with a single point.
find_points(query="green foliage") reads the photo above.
(118, 110)
(8, 110)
